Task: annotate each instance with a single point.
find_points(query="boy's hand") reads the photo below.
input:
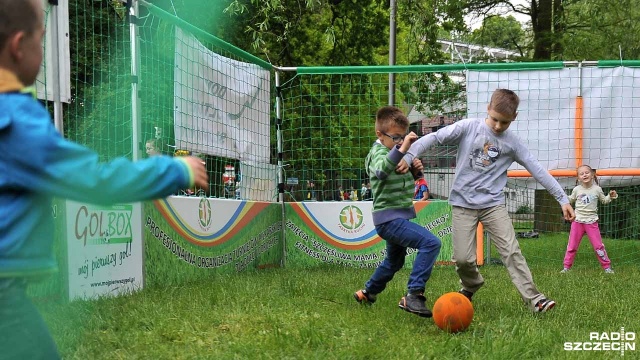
(402, 167)
(567, 212)
(199, 171)
(416, 166)
(613, 194)
(408, 140)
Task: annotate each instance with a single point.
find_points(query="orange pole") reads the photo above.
(572, 172)
(480, 244)
(579, 126)
(618, 172)
(556, 173)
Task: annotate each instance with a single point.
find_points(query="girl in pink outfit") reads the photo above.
(586, 196)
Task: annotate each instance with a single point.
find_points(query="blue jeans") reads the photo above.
(401, 234)
(23, 333)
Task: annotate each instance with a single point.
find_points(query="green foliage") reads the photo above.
(423, 22)
(99, 114)
(573, 29)
(329, 127)
(602, 30)
(500, 32)
(620, 219)
(524, 209)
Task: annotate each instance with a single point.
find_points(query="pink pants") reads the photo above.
(593, 233)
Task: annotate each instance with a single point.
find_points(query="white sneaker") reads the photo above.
(544, 305)
(608, 271)
(565, 270)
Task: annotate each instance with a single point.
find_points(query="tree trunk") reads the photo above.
(541, 20)
(558, 29)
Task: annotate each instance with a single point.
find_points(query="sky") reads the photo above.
(476, 22)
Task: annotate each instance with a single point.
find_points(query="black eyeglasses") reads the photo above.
(395, 139)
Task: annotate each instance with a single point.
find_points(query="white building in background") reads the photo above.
(470, 53)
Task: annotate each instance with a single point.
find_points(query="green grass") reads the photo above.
(549, 249)
(311, 314)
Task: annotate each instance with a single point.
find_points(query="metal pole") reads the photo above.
(392, 51)
(55, 46)
(137, 232)
(280, 164)
(135, 78)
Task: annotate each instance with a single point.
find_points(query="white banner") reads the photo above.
(221, 105)
(104, 249)
(546, 116)
(45, 81)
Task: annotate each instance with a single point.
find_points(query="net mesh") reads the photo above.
(176, 106)
(327, 119)
(329, 116)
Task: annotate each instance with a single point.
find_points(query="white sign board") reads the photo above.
(104, 249)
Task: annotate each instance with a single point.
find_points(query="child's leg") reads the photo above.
(575, 237)
(404, 233)
(417, 237)
(24, 335)
(393, 261)
(497, 222)
(465, 224)
(593, 232)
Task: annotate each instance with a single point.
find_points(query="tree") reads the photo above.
(501, 32)
(547, 21)
(602, 30)
(574, 29)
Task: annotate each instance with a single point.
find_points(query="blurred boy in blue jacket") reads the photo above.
(36, 164)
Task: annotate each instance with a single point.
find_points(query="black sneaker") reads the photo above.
(414, 303)
(467, 294)
(544, 305)
(364, 297)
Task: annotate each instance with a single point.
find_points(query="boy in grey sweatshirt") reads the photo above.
(486, 149)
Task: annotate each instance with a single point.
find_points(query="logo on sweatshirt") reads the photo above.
(483, 156)
(351, 219)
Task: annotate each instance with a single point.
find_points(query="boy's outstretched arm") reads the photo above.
(418, 147)
(44, 162)
(450, 134)
(200, 176)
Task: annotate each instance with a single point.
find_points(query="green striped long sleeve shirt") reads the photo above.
(392, 192)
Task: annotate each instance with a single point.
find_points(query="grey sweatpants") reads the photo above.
(497, 222)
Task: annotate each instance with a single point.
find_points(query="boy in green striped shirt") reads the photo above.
(392, 210)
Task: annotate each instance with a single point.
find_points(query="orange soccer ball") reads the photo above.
(453, 312)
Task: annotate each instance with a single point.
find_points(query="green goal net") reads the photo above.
(569, 115)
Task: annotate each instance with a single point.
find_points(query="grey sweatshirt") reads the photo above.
(482, 162)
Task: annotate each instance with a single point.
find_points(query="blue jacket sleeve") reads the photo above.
(42, 161)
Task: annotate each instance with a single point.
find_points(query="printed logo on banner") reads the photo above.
(204, 214)
(99, 226)
(351, 219)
